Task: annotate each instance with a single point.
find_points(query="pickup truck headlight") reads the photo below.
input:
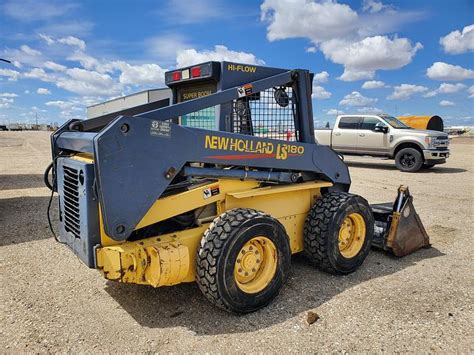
(430, 141)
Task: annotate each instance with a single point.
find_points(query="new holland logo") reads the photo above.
(252, 149)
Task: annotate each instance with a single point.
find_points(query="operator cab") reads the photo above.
(269, 113)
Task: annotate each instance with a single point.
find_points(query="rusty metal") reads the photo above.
(398, 227)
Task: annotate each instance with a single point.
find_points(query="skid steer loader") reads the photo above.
(219, 186)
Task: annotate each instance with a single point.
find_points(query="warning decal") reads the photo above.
(210, 191)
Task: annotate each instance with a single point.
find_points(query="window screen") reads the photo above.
(349, 122)
(269, 114)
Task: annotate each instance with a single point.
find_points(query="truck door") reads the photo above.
(371, 139)
(346, 134)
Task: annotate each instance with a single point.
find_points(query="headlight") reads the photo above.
(429, 141)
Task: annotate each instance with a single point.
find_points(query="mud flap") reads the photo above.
(398, 227)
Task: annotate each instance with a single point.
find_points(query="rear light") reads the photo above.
(176, 76)
(185, 74)
(195, 72)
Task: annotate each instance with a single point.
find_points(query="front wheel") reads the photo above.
(243, 260)
(408, 160)
(338, 232)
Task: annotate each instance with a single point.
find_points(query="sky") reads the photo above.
(407, 57)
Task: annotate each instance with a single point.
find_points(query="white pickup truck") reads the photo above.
(385, 136)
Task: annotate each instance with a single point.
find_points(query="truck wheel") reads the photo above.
(408, 160)
(338, 232)
(243, 260)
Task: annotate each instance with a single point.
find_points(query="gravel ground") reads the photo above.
(421, 303)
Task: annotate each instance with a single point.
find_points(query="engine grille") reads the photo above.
(71, 201)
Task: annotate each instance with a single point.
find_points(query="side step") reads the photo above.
(398, 228)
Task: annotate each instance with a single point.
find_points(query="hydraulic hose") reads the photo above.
(46, 176)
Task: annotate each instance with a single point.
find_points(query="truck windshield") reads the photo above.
(392, 121)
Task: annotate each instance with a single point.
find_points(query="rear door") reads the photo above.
(346, 134)
(371, 141)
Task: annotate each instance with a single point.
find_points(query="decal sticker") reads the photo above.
(210, 191)
(245, 90)
(255, 149)
(160, 129)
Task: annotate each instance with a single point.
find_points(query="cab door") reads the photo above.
(373, 136)
(346, 134)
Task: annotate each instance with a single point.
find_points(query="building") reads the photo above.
(127, 102)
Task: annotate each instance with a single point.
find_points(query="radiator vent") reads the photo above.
(71, 201)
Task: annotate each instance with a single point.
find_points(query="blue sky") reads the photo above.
(400, 57)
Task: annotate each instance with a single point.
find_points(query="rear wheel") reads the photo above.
(408, 160)
(338, 232)
(243, 260)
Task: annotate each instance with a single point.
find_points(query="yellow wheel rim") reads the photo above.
(255, 265)
(351, 235)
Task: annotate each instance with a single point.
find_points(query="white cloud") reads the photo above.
(43, 91)
(405, 91)
(165, 46)
(12, 75)
(320, 93)
(8, 94)
(449, 72)
(334, 111)
(86, 82)
(471, 92)
(311, 49)
(73, 41)
(40, 74)
(307, 19)
(141, 74)
(431, 93)
(343, 36)
(5, 102)
(458, 42)
(446, 88)
(446, 103)
(356, 99)
(30, 51)
(373, 6)
(63, 105)
(68, 40)
(373, 84)
(54, 66)
(189, 57)
(370, 110)
(34, 10)
(362, 58)
(321, 77)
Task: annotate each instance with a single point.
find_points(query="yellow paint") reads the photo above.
(256, 265)
(158, 261)
(418, 122)
(84, 157)
(174, 205)
(351, 235)
(170, 259)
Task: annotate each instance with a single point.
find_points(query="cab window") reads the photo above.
(349, 123)
(369, 123)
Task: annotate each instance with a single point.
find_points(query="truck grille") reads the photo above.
(71, 201)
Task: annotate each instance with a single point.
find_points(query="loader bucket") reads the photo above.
(398, 228)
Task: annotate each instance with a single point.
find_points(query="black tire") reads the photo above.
(408, 160)
(428, 166)
(218, 252)
(321, 231)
